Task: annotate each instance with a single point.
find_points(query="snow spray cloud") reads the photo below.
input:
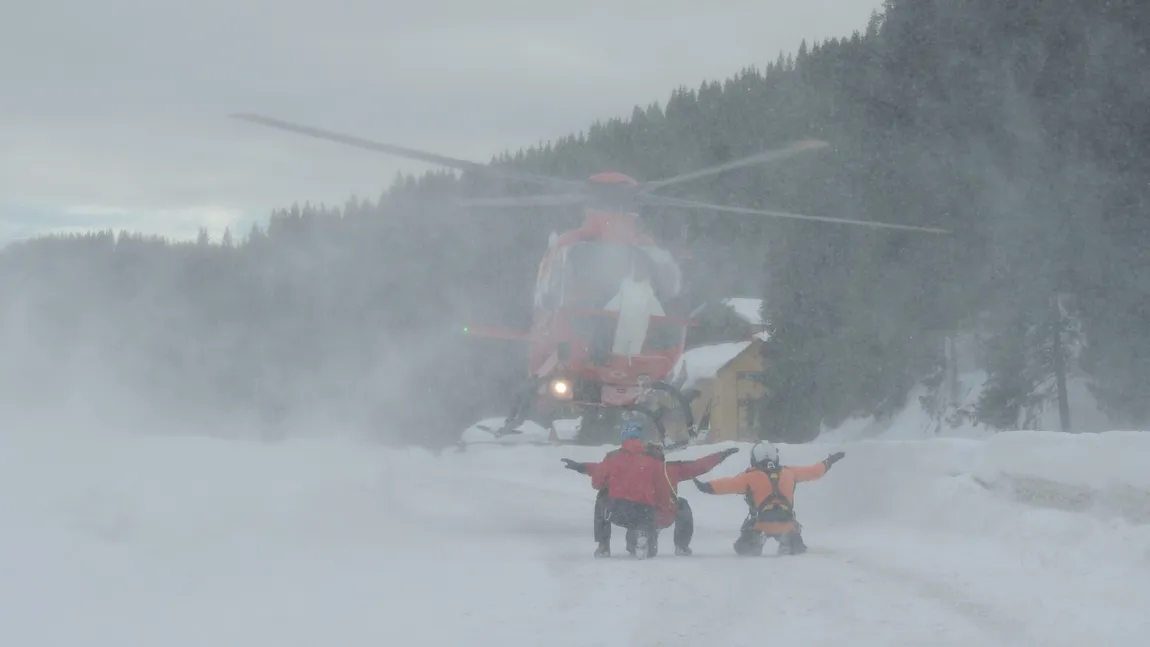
(1024, 133)
(321, 323)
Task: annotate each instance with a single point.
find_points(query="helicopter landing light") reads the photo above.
(561, 389)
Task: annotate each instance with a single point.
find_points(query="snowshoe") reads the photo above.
(683, 551)
(604, 550)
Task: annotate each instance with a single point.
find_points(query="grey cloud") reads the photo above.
(124, 102)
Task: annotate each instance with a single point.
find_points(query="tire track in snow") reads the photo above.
(818, 598)
(980, 614)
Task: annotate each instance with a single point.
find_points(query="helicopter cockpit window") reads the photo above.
(666, 270)
(595, 271)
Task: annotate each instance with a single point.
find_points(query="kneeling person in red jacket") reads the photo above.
(674, 510)
(636, 487)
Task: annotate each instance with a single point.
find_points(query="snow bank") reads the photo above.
(973, 486)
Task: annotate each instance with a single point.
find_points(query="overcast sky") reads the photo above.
(114, 113)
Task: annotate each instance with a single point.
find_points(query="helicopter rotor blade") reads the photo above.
(764, 157)
(688, 204)
(401, 151)
(545, 200)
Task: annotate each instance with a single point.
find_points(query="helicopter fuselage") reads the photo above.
(607, 313)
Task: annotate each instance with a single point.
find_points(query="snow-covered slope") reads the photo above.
(1022, 539)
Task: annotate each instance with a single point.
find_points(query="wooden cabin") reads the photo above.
(727, 381)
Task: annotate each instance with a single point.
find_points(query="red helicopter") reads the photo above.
(609, 320)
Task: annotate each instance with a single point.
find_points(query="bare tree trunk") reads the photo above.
(952, 368)
(1060, 366)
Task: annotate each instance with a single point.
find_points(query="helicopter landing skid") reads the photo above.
(499, 432)
(600, 422)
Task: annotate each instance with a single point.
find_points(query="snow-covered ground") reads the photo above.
(1020, 539)
(528, 432)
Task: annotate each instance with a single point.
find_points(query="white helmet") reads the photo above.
(763, 453)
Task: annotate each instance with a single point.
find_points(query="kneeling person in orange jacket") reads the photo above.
(675, 510)
(769, 488)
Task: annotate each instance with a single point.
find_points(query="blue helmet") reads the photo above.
(631, 429)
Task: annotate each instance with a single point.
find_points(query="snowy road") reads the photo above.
(174, 542)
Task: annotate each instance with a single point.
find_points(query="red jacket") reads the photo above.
(674, 473)
(633, 473)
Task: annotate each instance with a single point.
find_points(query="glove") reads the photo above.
(572, 465)
(727, 452)
(834, 458)
(703, 487)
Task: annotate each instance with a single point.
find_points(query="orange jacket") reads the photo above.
(756, 485)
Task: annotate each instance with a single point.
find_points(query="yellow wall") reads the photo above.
(728, 422)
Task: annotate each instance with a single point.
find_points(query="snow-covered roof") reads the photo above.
(747, 309)
(705, 361)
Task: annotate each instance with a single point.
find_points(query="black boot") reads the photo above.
(684, 528)
(750, 543)
(792, 544)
